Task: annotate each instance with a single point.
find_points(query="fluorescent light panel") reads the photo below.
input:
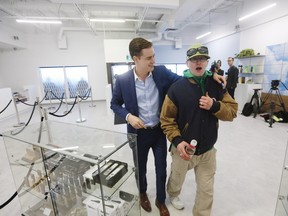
(38, 21)
(257, 12)
(203, 35)
(108, 20)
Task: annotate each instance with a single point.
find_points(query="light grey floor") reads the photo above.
(250, 159)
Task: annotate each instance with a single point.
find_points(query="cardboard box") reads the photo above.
(91, 206)
(94, 206)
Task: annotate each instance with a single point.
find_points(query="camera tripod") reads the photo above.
(272, 103)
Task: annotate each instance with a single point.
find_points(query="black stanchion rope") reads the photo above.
(61, 99)
(35, 103)
(59, 104)
(86, 96)
(6, 106)
(43, 97)
(24, 102)
(20, 187)
(35, 184)
(67, 112)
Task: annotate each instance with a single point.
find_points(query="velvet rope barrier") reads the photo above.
(6, 106)
(67, 112)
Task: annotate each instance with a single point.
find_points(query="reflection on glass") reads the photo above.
(117, 70)
(181, 68)
(55, 79)
(77, 80)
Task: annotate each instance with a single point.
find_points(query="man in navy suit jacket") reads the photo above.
(142, 90)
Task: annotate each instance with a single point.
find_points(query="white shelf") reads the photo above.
(252, 69)
(249, 74)
(247, 57)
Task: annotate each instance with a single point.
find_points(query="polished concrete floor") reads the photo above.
(250, 160)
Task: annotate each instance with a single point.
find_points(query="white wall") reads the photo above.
(6, 97)
(19, 68)
(257, 38)
(116, 50)
(223, 48)
(7, 37)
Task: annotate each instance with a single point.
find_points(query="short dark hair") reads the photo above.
(213, 68)
(137, 45)
(231, 58)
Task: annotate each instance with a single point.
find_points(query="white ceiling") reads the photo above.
(161, 20)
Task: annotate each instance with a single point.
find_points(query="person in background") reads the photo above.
(232, 77)
(213, 67)
(218, 67)
(191, 110)
(142, 91)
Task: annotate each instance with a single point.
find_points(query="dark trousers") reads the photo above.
(156, 140)
(231, 91)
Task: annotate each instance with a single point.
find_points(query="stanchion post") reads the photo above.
(39, 106)
(66, 103)
(19, 124)
(50, 102)
(47, 125)
(92, 105)
(80, 116)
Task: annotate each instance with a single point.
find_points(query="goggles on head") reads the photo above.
(200, 50)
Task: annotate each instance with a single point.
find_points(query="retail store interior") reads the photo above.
(250, 158)
(77, 56)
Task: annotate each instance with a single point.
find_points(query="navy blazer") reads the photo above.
(124, 92)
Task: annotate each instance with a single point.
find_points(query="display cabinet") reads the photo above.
(66, 169)
(251, 69)
(282, 202)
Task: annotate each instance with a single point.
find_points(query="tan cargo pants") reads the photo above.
(204, 168)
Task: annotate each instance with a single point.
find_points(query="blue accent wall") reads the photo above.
(169, 54)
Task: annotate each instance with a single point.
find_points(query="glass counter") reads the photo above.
(67, 169)
(282, 202)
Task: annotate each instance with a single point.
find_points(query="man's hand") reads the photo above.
(220, 79)
(136, 122)
(181, 150)
(206, 102)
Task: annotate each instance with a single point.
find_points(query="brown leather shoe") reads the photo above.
(162, 208)
(144, 202)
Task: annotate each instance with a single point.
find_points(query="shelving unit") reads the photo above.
(251, 69)
(65, 169)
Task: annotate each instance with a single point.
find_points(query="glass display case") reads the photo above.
(67, 169)
(282, 202)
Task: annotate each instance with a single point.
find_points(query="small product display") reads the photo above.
(69, 175)
(110, 173)
(31, 155)
(126, 196)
